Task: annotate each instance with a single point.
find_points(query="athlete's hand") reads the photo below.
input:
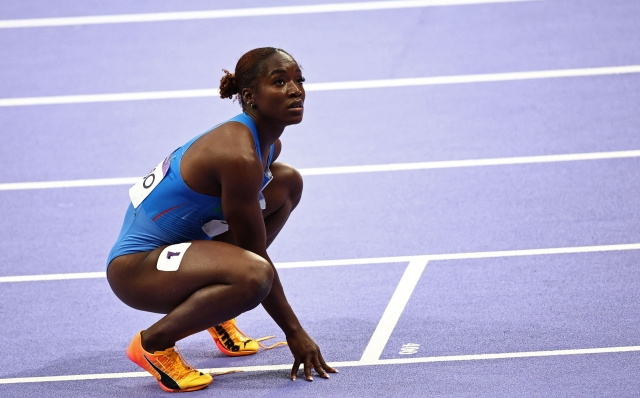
(306, 352)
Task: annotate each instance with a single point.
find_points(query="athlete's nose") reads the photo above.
(294, 91)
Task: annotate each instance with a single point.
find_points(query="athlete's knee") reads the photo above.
(258, 278)
(260, 275)
(296, 185)
(291, 178)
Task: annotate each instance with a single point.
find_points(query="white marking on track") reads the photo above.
(445, 164)
(394, 309)
(53, 277)
(97, 182)
(115, 97)
(449, 164)
(381, 362)
(371, 260)
(409, 349)
(236, 13)
(348, 85)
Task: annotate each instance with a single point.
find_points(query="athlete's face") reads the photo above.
(279, 94)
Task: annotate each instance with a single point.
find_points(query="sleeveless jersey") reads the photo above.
(165, 211)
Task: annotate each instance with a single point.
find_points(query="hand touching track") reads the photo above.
(306, 352)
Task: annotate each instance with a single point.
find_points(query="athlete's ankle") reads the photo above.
(151, 343)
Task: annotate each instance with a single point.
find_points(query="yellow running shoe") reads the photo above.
(232, 342)
(172, 372)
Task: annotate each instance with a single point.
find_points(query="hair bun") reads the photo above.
(228, 85)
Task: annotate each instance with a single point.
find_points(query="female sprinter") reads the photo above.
(194, 241)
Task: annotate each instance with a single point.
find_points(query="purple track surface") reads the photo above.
(546, 306)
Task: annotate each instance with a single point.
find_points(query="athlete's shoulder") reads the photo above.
(233, 141)
(228, 148)
(228, 138)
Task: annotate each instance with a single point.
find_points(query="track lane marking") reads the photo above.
(97, 182)
(53, 277)
(445, 164)
(346, 85)
(239, 12)
(394, 310)
(371, 260)
(380, 362)
(449, 164)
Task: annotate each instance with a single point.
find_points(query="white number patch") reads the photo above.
(171, 257)
(139, 192)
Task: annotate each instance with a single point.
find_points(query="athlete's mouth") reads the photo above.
(296, 105)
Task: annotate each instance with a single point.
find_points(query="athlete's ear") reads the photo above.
(247, 96)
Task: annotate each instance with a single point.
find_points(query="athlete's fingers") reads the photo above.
(319, 370)
(307, 370)
(294, 369)
(325, 366)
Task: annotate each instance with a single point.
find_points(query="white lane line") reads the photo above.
(240, 12)
(348, 85)
(461, 256)
(479, 78)
(53, 277)
(13, 186)
(446, 164)
(115, 97)
(395, 361)
(371, 260)
(394, 309)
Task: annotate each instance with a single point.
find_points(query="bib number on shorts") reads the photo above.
(139, 192)
(171, 257)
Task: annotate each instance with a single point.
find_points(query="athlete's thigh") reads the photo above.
(137, 280)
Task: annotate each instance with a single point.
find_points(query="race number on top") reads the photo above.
(139, 192)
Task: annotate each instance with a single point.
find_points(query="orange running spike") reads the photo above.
(170, 369)
(232, 342)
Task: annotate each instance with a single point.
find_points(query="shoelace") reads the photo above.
(233, 331)
(173, 361)
(226, 373)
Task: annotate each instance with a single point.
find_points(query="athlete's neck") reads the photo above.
(268, 130)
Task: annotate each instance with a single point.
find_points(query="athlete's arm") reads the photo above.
(241, 179)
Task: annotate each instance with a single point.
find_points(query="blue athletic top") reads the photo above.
(169, 212)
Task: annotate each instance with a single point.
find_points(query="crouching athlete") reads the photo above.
(195, 236)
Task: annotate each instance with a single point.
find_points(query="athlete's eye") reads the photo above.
(279, 81)
(301, 80)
